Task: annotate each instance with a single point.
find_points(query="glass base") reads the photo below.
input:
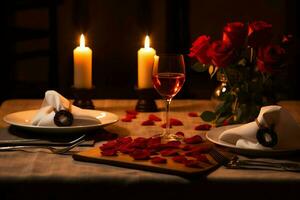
(168, 137)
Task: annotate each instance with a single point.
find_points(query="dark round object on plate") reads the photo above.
(267, 137)
(63, 118)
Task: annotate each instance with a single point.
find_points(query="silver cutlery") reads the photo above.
(26, 142)
(54, 150)
(236, 163)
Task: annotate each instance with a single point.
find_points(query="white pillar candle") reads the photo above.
(145, 63)
(82, 65)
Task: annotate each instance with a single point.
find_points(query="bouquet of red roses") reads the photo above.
(248, 62)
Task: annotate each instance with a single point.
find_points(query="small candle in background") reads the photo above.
(145, 64)
(82, 65)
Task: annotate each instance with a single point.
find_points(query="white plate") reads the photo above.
(213, 136)
(22, 119)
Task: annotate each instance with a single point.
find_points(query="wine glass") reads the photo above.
(168, 76)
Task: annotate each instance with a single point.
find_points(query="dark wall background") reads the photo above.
(39, 38)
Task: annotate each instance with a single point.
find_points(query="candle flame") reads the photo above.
(82, 41)
(147, 42)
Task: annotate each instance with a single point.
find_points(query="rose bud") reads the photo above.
(259, 34)
(222, 54)
(271, 58)
(235, 33)
(199, 49)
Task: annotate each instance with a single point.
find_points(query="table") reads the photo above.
(59, 176)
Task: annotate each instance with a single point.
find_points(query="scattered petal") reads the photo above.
(175, 122)
(155, 118)
(124, 140)
(179, 159)
(130, 116)
(187, 147)
(126, 148)
(198, 150)
(193, 114)
(139, 143)
(202, 158)
(126, 119)
(193, 164)
(109, 145)
(172, 144)
(179, 134)
(148, 123)
(169, 152)
(203, 127)
(158, 160)
(132, 112)
(140, 154)
(109, 152)
(196, 139)
(164, 125)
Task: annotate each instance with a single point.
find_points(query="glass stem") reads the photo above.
(168, 102)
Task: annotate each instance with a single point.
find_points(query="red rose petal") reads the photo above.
(179, 134)
(193, 114)
(172, 144)
(139, 143)
(164, 125)
(169, 152)
(132, 112)
(201, 157)
(140, 154)
(192, 164)
(109, 152)
(179, 159)
(198, 150)
(124, 140)
(154, 143)
(175, 122)
(130, 116)
(155, 118)
(158, 160)
(148, 123)
(203, 127)
(109, 145)
(126, 119)
(196, 139)
(187, 147)
(126, 148)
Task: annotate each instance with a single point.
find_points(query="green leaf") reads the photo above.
(208, 116)
(199, 67)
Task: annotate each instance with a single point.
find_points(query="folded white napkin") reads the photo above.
(285, 126)
(53, 101)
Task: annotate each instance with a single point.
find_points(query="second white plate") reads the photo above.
(213, 136)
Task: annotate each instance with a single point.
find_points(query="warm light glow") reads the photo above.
(82, 41)
(147, 42)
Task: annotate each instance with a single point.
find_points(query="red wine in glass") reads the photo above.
(168, 84)
(168, 76)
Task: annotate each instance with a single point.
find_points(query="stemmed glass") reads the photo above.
(168, 76)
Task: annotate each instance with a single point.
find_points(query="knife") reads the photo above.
(41, 142)
(237, 163)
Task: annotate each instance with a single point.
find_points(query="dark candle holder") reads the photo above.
(83, 97)
(146, 100)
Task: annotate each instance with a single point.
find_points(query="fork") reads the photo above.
(52, 149)
(236, 163)
(219, 157)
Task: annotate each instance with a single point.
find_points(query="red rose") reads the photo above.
(270, 58)
(199, 49)
(259, 34)
(235, 33)
(221, 53)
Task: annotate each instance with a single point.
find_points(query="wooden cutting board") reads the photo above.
(124, 160)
